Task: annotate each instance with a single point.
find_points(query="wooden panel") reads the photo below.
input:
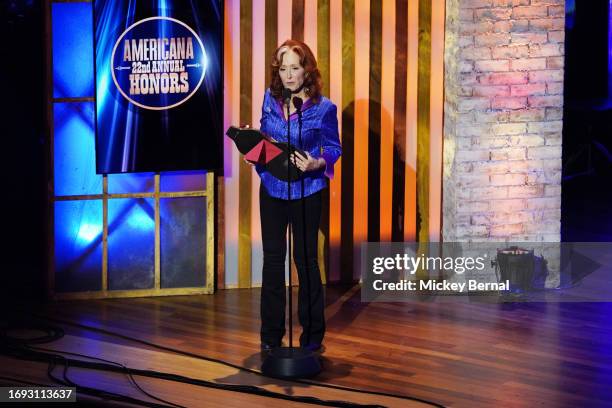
(348, 142)
(211, 217)
(271, 27)
(323, 40)
(297, 20)
(399, 121)
(335, 185)
(360, 132)
(219, 225)
(311, 26)
(258, 85)
(410, 196)
(316, 35)
(105, 233)
(423, 119)
(244, 198)
(436, 119)
(374, 121)
(285, 15)
(387, 119)
(232, 163)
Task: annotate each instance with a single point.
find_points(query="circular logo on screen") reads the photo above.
(158, 63)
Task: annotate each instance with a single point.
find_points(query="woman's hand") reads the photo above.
(307, 163)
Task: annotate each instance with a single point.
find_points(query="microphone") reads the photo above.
(286, 94)
(297, 102)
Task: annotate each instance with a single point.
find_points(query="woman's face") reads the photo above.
(290, 71)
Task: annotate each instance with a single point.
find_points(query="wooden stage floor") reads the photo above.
(453, 354)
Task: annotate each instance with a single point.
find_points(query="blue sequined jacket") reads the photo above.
(319, 136)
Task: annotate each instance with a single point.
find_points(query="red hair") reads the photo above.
(312, 76)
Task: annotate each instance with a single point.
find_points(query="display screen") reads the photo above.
(159, 85)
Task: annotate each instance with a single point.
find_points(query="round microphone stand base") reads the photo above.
(291, 362)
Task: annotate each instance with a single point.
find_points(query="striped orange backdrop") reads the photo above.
(382, 64)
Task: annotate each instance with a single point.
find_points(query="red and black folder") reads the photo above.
(260, 149)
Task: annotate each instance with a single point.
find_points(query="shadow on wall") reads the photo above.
(373, 164)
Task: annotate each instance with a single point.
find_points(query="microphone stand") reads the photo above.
(290, 231)
(298, 107)
(291, 362)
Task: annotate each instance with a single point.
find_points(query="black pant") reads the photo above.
(275, 216)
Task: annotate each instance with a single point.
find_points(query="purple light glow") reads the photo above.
(610, 49)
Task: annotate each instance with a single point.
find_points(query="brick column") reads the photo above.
(503, 120)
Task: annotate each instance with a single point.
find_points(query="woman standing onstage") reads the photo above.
(294, 67)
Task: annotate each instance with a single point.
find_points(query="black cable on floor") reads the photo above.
(20, 349)
(126, 371)
(32, 355)
(53, 334)
(24, 353)
(235, 366)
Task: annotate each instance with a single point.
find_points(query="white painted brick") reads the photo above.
(491, 116)
(545, 101)
(509, 129)
(507, 179)
(476, 53)
(544, 177)
(511, 204)
(543, 203)
(505, 230)
(487, 167)
(472, 130)
(492, 90)
(528, 38)
(554, 113)
(490, 142)
(508, 154)
(469, 207)
(503, 120)
(475, 155)
(465, 41)
(544, 152)
(528, 89)
(554, 88)
(490, 193)
(526, 115)
(529, 12)
(552, 191)
(537, 49)
(553, 140)
(472, 180)
(556, 36)
(510, 51)
(468, 104)
(525, 191)
(528, 64)
(473, 231)
(546, 227)
(526, 140)
(544, 127)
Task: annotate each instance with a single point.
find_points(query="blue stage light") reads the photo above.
(73, 74)
(74, 150)
(88, 233)
(131, 183)
(78, 245)
(131, 243)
